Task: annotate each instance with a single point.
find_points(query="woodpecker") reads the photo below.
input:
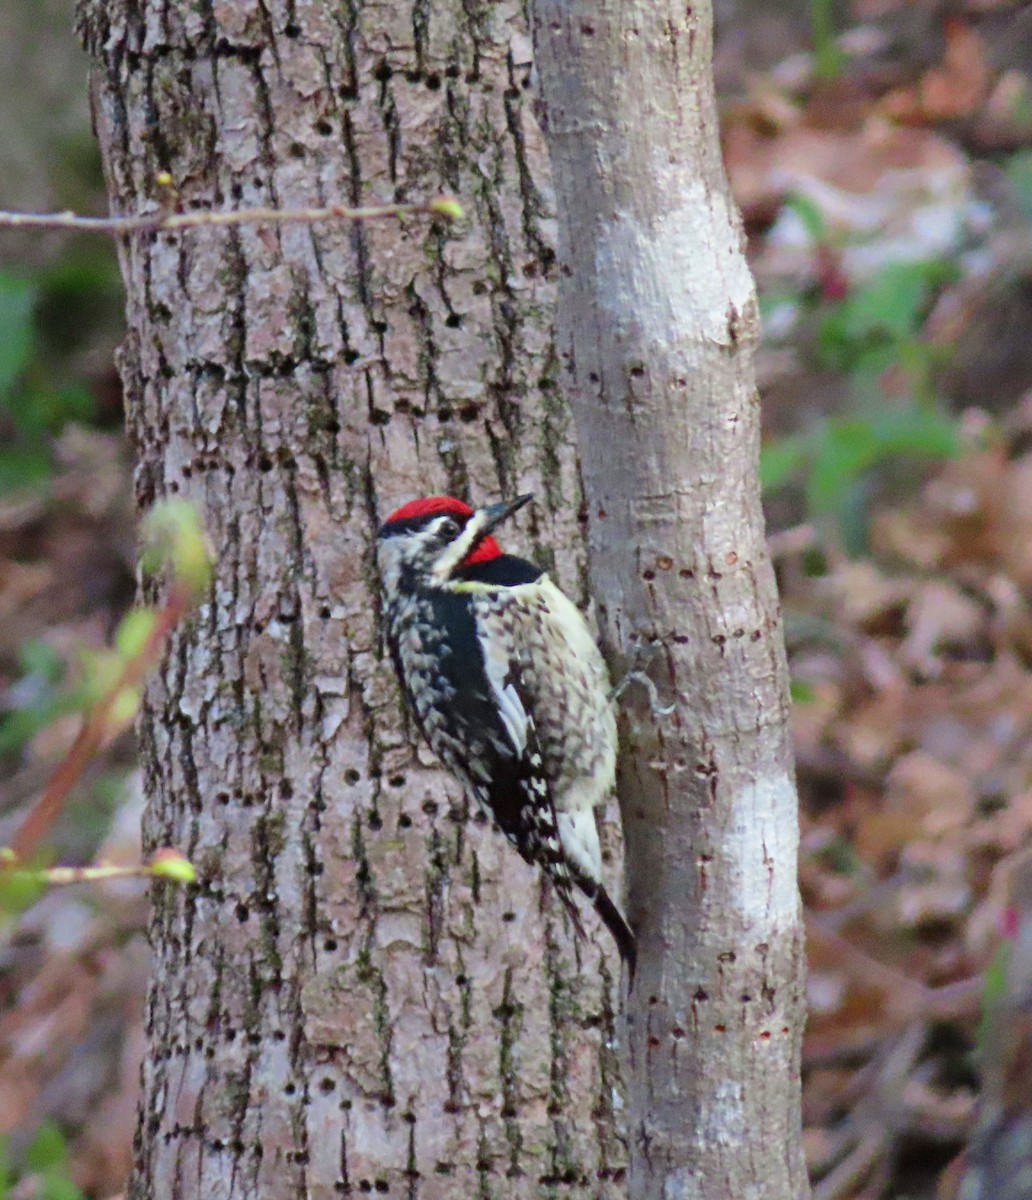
(507, 686)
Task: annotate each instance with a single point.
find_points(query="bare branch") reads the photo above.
(166, 864)
(163, 221)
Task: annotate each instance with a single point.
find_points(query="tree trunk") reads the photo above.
(657, 323)
(367, 991)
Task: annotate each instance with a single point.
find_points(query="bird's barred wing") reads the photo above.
(517, 793)
(475, 716)
(476, 713)
(515, 788)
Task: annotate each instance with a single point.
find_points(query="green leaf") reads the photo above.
(447, 207)
(828, 57)
(48, 1150)
(40, 408)
(782, 459)
(841, 857)
(1019, 175)
(135, 628)
(60, 1187)
(16, 301)
(38, 657)
(847, 447)
(994, 992)
(886, 312)
(891, 303)
(6, 1175)
(170, 864)
(100, 671)
(809, 212)
(25, 468)
(73, 402)
(19, 890)
(915, 430)
(870, 360)
(123, 710)
(172, 532)
(18, 728)
(79, 273)
(895, 299)
(38, 699)
(802, 692)
(852, 514)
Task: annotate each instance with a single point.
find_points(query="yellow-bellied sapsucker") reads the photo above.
(508, 687)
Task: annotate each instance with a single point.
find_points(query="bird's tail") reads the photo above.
(612, 917)
(617, 925)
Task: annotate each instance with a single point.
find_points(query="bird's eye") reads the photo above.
(449, 529)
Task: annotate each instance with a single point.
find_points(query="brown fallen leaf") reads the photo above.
(950, 91)
(939, 616)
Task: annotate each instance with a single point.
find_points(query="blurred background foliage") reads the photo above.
(50, 318)
(73, 967)
(881, 152)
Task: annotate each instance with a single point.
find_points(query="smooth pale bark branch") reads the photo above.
(367, 992)
(657, 324)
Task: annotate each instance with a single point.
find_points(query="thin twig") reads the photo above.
(165, 221)
(874, 1123)
(98, 873)
(91, 736)
(796, 540)
(854, 1167)
(907, 997)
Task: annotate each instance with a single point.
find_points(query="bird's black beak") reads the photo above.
(495, 514)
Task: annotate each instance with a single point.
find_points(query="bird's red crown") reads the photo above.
(431, 506)
(437, 506)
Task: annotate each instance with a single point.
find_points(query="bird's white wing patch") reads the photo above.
(578, 833)
(510, 706)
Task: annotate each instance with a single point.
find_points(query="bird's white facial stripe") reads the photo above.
(456, 553)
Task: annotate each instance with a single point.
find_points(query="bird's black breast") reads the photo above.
(504, 571)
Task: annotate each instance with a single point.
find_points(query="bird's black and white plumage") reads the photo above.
(508, 687)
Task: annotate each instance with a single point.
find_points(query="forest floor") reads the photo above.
(886, 185)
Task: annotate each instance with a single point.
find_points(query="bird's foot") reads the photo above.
(643, 652)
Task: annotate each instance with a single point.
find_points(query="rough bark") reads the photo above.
(657, 322)
(367, 992)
